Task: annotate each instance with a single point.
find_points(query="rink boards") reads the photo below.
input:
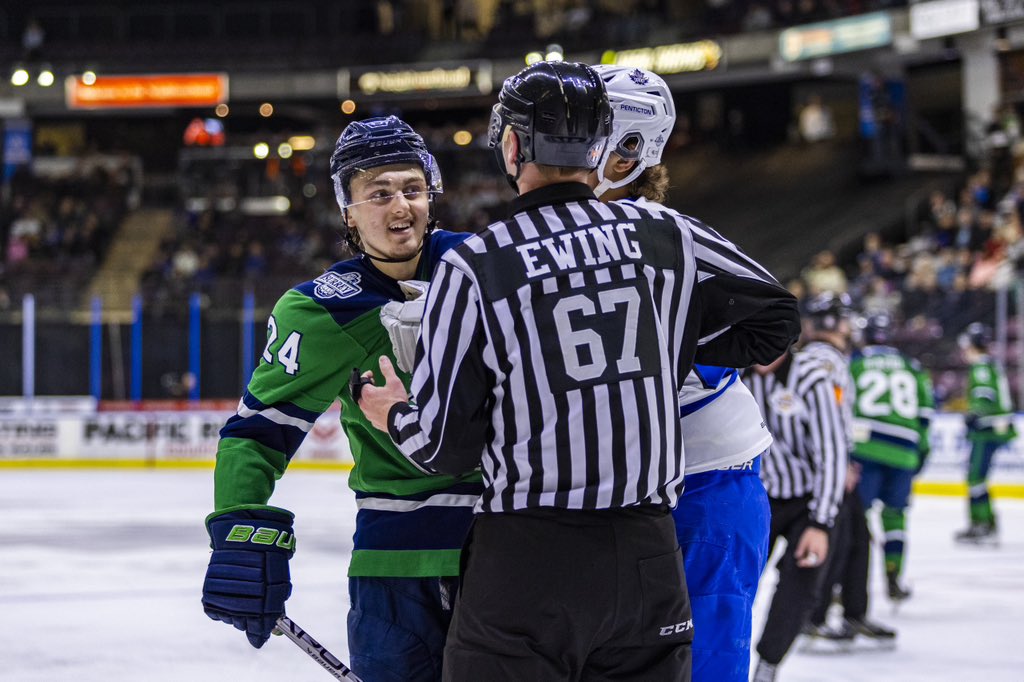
(184, 438)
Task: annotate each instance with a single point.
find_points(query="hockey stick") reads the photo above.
(316, 651)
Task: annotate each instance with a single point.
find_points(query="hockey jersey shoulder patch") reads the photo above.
(337, 285)
(787, 403)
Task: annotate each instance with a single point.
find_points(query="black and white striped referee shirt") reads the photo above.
(553, 343)
(808, 454)
(837, 364)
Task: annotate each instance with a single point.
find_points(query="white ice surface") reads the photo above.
(101, 571)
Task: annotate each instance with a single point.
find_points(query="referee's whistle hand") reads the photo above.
(812, 548)
(376, 401)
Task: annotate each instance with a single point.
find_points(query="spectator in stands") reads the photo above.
(872, 250)
(32, 40)
(861, 283)
(384, 11)
(824, 275)
(921, 289)
(798, 288)
(887, 266)
(979, 187)
(947, 269)
(881, 298)
(966, 221)
(959, 304)
(17, 249)
(940, 208)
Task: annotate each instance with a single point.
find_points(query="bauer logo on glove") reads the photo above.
(402, 322)
(261, 536)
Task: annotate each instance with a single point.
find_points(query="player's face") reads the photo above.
(390, 210)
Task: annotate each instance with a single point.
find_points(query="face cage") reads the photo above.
(635, 154)
(431, 172)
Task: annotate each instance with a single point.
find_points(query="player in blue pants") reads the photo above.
(722, 520)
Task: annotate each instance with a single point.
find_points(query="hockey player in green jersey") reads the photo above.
(891, 415)
(410, 526)
(989, 427)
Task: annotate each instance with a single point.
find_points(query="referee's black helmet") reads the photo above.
(560, 113)
(827, 310)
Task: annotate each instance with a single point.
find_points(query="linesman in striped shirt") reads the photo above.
(551, 351)
(804, 473)
(827, 326)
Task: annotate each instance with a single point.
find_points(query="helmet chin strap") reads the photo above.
(607, 184)
(512, 180)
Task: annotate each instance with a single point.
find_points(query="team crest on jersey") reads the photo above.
(786, 403)
(639, 77)
(333, 285)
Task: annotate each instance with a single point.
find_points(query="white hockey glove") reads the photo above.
(402, 320)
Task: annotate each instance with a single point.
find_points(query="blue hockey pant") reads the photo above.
(397, 627)
(722, 522)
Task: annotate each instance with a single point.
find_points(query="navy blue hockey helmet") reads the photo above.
(827, 310)
(375, 142)
(977, 335)
(560, 113)
(877, 329)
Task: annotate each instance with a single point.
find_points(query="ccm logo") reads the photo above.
(676, 629)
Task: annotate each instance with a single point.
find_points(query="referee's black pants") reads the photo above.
(797, 589)
(848, 563)
(553, 595)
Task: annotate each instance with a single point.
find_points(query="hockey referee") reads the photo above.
(551, 350)
(804, 472)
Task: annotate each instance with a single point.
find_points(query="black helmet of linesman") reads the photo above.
(828, 310)
(560, 113)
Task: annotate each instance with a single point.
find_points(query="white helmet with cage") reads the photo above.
(643, 117)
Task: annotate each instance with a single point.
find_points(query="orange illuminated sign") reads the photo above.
(130, 92)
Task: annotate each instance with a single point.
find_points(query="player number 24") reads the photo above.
(288, 353)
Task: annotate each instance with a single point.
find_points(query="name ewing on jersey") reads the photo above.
(587, 247)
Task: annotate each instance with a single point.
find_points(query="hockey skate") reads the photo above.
(898, 592)
(868, 628)
(978, 534)
(878, 636)
(826, 639)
